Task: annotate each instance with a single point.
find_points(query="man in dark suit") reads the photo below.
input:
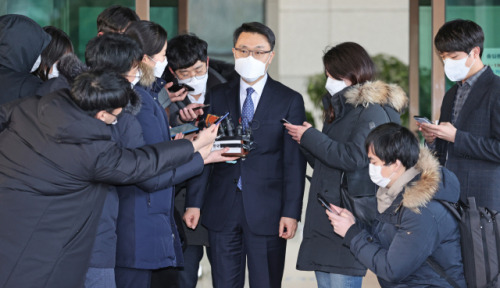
(252, 207)
(467, 139)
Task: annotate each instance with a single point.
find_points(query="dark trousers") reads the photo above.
(132, 278)
(236, 244)
(188, 277)
(142, 278)
(165, 278)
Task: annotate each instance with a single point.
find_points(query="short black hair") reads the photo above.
(459, 35)
(255, 27)
(350, 61)
(95, 91)
(59, 45)
(185, 50)
(115, 19)
(150, 36)
(393, 142)
(114, 52)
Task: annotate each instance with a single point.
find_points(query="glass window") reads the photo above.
(425, 57)
(215, 21)
(165, 13)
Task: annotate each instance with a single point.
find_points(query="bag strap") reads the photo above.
(433, 264)
(436, 267)
(452, 208)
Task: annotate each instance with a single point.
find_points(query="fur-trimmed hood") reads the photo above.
(70, 67)
(377, 92)
(433, 182)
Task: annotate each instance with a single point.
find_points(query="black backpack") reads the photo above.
(480, 242)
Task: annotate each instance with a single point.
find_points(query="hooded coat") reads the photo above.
(57, 163)
(412, 229)
(127, 133)
(22, 40)
(340, 147)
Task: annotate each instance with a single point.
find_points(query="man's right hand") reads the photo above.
(176, 96)
(187, 114)
(205, 137)
(429, 136)
(191, 217)
(216, 156)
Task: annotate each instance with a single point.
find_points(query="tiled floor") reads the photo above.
(292, 278)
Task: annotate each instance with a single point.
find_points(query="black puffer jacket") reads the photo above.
(340, 147)
(55, 166)
(22, 40)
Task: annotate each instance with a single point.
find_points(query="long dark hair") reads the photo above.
(349, 61)
(151, 36)
(58, 47)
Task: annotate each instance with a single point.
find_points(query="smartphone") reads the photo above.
(184, 129)
(221, 118)
(176, 87)
(324, 203)
(422, 119)
(201, 107)
(283, 121)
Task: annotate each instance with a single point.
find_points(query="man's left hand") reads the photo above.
(445, 131)
(288, 226)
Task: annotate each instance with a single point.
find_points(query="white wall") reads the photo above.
(305, 28)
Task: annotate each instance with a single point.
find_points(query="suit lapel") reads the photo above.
(475, 97)
(232, 98)
(266, 99)
(448, 105)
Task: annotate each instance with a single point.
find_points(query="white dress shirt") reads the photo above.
(258, 87)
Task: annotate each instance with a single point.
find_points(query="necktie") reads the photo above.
(247, 110)
(246, 116)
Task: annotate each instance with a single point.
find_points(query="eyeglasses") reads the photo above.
(243, 53)
(199, 73)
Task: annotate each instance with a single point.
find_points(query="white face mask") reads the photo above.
(456, 70)
(249, 68)
(376, 176)
(54, 72)
(159, 67)
(199, 84)
(334, 86)
(37, 64)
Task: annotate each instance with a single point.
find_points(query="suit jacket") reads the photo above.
(273, 174)
(475, 155)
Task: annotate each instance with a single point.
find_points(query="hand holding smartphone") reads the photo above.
(283, 121)
(176, 87)
(422, 119)
(201, 107)
(325, 203)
